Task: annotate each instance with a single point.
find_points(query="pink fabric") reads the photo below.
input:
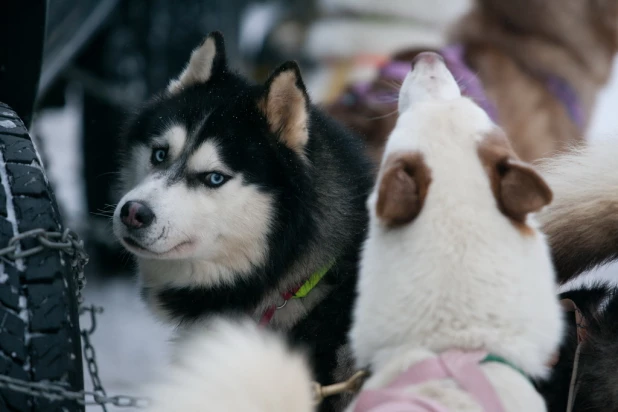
(462, 367)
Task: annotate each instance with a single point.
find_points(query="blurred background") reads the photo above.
(103, 58)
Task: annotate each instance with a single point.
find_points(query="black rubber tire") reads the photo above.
(39, 320)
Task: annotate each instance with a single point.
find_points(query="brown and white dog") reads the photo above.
(454, 259)
(540, 64)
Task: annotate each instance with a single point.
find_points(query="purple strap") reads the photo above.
(565, 93)
(469, 84)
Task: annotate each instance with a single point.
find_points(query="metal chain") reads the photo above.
(66, 241)
(89, 354)
(58, 392)
(93, 370)
(69, 243)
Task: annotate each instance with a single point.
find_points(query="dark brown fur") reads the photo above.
(403, 188)
(518, 189)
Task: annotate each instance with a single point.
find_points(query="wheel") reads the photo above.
(39, 324)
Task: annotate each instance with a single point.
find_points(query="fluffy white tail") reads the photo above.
(233, 366)
(582, 221)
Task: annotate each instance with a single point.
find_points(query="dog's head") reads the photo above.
(206, 162)
(443, 137)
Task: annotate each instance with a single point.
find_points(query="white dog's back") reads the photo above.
(232, 366)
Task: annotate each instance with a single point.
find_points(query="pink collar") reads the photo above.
(462, 367)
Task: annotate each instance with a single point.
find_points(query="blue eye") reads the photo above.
(158, 156)
(215, 179)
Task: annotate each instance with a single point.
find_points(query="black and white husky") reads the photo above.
(243, 198)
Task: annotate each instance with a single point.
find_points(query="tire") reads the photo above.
(39, 323)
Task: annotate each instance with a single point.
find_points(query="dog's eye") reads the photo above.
(158, 156)
(215, 179)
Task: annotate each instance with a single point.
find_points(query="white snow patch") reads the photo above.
(10, 208)
(7, 124)
(3, 276)
(130, 344)
(23, 309)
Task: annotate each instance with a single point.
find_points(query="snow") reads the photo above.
(130, 345)
(7, 124)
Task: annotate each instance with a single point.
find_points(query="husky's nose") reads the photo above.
(136, 215)
(429, 58)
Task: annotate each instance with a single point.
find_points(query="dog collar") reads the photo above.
(298, 292)
(499, 359)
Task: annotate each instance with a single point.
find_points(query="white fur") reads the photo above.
(461, 275)
(220, 231)
(175, 137)
(205, 159)
(233, 367)
(199, 68)
(585, 183)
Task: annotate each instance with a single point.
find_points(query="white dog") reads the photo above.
(453, 261)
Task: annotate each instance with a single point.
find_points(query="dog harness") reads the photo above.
(470, 85)
(459, 366)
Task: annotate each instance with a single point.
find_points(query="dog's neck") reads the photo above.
(191, 294)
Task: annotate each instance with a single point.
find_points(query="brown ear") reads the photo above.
(285, 105)
(403, 188)
(522, 190)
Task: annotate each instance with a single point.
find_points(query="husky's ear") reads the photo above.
(402, 188)
(285, 104)
(522, 189)
(206, 60)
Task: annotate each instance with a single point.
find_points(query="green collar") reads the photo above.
(495, 358)
(312, 282)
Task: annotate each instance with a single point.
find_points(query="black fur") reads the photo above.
(598, 361)
(320, 200)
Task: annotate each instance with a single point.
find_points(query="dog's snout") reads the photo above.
(430, 58)
(136, 215)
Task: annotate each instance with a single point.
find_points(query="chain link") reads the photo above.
(58, 392)
(121, 401)
(68, 243)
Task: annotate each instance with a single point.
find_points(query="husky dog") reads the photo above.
(242, 198)
(453, 261)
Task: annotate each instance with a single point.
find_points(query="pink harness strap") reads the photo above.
(462, 367)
